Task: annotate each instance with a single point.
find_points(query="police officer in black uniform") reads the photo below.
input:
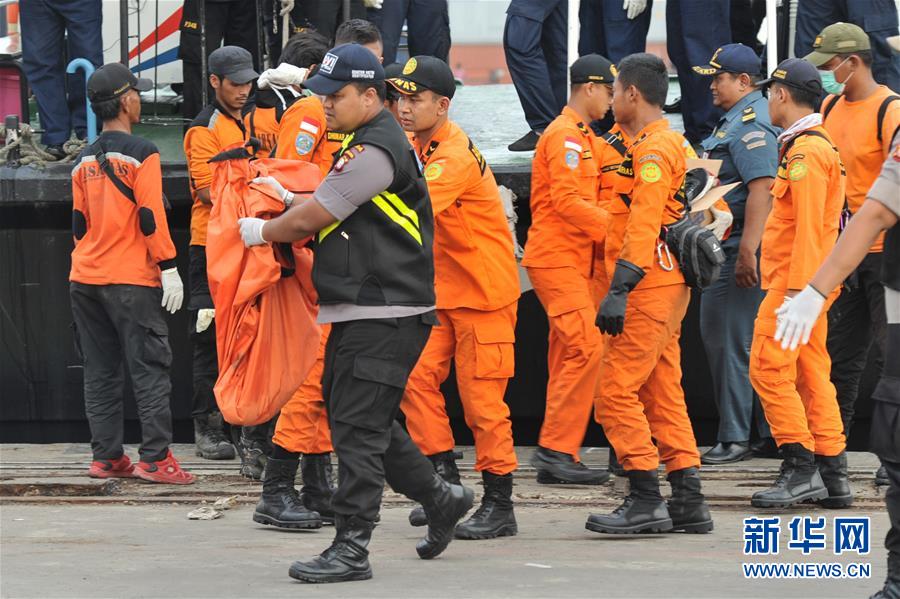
(374, 273)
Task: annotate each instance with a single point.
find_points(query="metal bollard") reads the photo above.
(88, 68)
(11, 125)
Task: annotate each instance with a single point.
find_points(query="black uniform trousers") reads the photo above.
(228, 22)
(694, 31)
(116, 324)
(878, 18)
(536, 56)
(205, 365)
(427, 27)
(325, 15)
(855, 321)
(367, 364)
(607, 30)
(885, 439)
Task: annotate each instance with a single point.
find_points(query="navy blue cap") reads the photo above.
(342, 65)
(733, 58)
(795, 72)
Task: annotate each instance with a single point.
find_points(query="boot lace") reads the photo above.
(625, 504)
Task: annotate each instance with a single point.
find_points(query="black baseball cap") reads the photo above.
(342, 65)
(425, 72)
(732, 58)
(234, 63)
(112, 80)
(797, 73)
(593, 68)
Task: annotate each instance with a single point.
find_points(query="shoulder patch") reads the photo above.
(304, 143)
(748, 115)
(651, 173)
(476, 153)
(797, 171)
(647, 157)
(572, 159)
(756, 144)
(433, 171)
(571, 143)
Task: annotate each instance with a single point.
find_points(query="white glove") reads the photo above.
(508, 199)
(634, 7)
(376, 4)
(284, 75)
(204, 318)
(173, 290)
(286, 196)
(722, 219)
(286, 7)
(251, 231)
(797, 316)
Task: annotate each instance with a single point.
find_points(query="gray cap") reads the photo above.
(233, 63)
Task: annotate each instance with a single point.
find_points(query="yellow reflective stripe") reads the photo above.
(401, 220)
(401, 207)
(324, 232)
(347, 141)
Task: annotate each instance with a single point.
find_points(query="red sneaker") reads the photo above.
(166, 471)
(119, 468)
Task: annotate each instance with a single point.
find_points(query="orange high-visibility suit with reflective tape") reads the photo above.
(794, 387)
(567, 224)
(640, 396)
(477, 289)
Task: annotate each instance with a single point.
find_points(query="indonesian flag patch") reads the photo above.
(572, 144)
(311, 125)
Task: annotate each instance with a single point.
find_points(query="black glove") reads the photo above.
(611, 317)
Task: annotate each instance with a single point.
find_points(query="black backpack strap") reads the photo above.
(106, 167)
(617, 144)
(827, 109)
(882, 112)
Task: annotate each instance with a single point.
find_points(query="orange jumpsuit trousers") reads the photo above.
(640, 396)
(302, 426)
(482, 345)
(794, 388)
(573, 356)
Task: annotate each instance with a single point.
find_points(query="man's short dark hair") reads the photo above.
(864, 55)
(107, 109)
(379, 86)
(801, 97)
(648, 74)
(305, 48)
(357, 31)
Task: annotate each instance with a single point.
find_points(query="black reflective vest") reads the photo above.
(382, 254)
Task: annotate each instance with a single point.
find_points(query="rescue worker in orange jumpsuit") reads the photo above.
(477, 289)
(567, 225)
(279, 88)
(612, 148)
(302, 435)
(799, 400)
(217, 127)
(640, 396)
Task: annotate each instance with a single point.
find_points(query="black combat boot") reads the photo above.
(799, 480)
(833, 471)
(347, 559)
(280, 503)
(554, 467)
(445, 504)
(209, 438)
(318, 484)
(445, 465)
(881, 477)
(643, 511)
(687, 507)
(495, 517)
(615, 466)
(252, 448)
(891, 589)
